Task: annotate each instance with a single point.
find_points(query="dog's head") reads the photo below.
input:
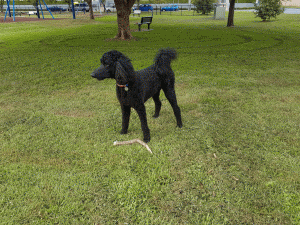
(116, 66)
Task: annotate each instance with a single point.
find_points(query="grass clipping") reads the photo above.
(133, 141)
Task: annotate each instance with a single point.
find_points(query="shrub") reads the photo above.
(203, 6)
(268, 8)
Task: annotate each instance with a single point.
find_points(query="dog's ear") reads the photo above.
(120, 74)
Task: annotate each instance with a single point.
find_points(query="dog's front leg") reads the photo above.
(125, 118)
(143, 118)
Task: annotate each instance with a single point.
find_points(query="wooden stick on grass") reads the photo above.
(133, 141)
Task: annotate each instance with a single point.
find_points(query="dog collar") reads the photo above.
(124, 86)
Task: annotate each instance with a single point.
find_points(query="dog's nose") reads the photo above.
(92, 74)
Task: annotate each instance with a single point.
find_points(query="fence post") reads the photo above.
(37, 9)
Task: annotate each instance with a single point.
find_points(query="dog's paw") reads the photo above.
(179, 125)
(146, 140)
(123, 132)
(155, 116)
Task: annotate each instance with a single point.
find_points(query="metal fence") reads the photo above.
(187, 10)
(31, 7)
(183, 10)
(182, 6)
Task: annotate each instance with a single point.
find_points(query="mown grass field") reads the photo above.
(235, 161)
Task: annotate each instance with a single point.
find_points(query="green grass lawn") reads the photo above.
(235, 161)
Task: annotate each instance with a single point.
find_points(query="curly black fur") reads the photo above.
(134, 88)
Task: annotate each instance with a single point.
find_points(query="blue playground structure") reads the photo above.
(38, 14)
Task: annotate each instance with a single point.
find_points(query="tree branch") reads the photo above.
(133, 141)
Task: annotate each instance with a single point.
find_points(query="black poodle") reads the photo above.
(136, 87)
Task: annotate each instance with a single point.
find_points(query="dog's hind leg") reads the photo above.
(125, 118)
(171, 96)
(157, 104)
(141, 111)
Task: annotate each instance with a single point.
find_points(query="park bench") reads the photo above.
(145, 20)
(137, 12)
(32, 13)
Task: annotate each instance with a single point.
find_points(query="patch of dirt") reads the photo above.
(142, 30)
(118, 39)
(25, 19)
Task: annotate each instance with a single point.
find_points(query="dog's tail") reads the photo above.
(162, 61)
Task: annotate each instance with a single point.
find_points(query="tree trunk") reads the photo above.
(89, 2)
(123, 26)
(231, 14)
(123, 12)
